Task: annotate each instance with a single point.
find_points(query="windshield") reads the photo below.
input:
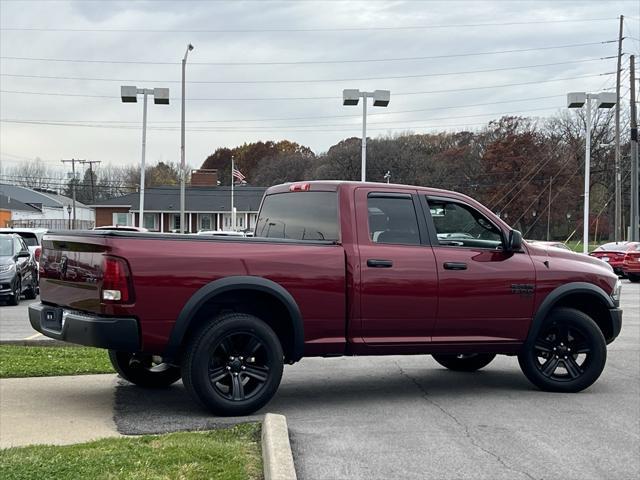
(30, 239)
(6, 246)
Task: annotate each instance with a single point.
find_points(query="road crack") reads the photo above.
(467, 431)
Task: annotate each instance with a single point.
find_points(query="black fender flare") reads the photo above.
(240, 282)
(558, 294)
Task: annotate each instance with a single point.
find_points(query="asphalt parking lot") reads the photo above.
(14, 322)
(407, 417)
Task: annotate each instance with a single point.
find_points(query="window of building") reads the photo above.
(175, 221)
(205, 222)
(120, 218)
(150, 221)
(393, 220)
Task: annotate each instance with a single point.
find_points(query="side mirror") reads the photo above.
(514, 243)
(24, 254)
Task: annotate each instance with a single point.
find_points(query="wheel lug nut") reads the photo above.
(243, 367)
(235, 374)
(232, 358)
(241, 358)
(228, 367)
(565, 357)
(554, 349)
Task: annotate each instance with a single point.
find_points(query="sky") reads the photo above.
(274, 70)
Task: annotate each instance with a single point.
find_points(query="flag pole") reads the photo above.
(233, 210)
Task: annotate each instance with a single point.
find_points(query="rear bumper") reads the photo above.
(120, 334)
(616, 323)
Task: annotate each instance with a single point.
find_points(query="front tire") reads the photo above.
(31, 293)
(233, 365)
(14, 298)
(568, 354)
(144, 370)
(633, 277)
(465, 362)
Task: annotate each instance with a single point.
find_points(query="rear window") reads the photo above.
(612, 247)
(299, 216)
(29, 238)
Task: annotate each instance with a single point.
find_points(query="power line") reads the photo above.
(328, 97)
(311, 62)
(321, 80)
(300, 30)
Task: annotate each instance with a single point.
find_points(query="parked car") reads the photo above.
(549, 244)
(222, 233)
(123, 228)
(18, 271)
(31, 236)
(631, 262)
(613, 253)
(336, 268)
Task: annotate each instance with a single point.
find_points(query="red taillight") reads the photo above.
(300, 187)
(37, 253)
(116, 281)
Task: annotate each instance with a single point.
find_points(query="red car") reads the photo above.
(335, 268)
(631, 263)
(613, 253)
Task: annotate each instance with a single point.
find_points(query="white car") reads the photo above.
(32, 237)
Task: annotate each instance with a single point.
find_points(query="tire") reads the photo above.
(467, 362)
(634, 277)
(141, 370)
(14, 298)
(568, 354)
(31, 293)
(233, 365)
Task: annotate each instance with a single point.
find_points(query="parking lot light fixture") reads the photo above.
(578, 100)
(351, 97)
(129, 94)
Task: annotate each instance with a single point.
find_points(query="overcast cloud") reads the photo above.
(242, 31)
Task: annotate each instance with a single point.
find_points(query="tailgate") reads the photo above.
(71, 271)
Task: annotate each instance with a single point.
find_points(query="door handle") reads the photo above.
(455, 266)
(379, 263)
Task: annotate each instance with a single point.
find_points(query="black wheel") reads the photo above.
(31, 292)
(568, 354)
(465, 362)
(634, 277)
(233, 365)
(144, 370)
(14, 298)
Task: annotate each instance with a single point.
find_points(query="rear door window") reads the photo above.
(392, 219)
(299, 216)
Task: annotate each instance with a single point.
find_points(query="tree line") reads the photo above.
(530, 171)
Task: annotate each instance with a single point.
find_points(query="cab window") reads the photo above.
(392, 219)
(460, 225)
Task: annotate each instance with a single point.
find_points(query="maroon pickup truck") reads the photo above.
(335, 268)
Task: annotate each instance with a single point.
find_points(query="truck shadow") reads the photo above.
(318, 394)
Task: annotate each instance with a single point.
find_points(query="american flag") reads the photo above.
(238, 174)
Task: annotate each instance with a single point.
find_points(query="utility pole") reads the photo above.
(635, 200)
(549, 210)
(91, 162)
(618, 178)
(73, 184)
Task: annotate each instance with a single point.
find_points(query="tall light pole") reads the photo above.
(129, 94)
(183, 172)
(577, 100)
(380, 99)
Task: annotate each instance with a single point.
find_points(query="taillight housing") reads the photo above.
(37, 253)
(117, 286)
(300, 187)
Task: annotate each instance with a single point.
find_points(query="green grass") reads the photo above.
(20, 361)
(232, 453)
(576, 246)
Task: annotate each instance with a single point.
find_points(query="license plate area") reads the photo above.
(51, 319)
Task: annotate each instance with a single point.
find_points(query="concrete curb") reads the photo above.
(276, 450)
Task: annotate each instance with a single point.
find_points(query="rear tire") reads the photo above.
(31, 293)
(465, 362)
(568, 354)
(233, 365)
(634, 277)
(142, 370)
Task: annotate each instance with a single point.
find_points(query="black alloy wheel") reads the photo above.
(568, 354)
(233, 365)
